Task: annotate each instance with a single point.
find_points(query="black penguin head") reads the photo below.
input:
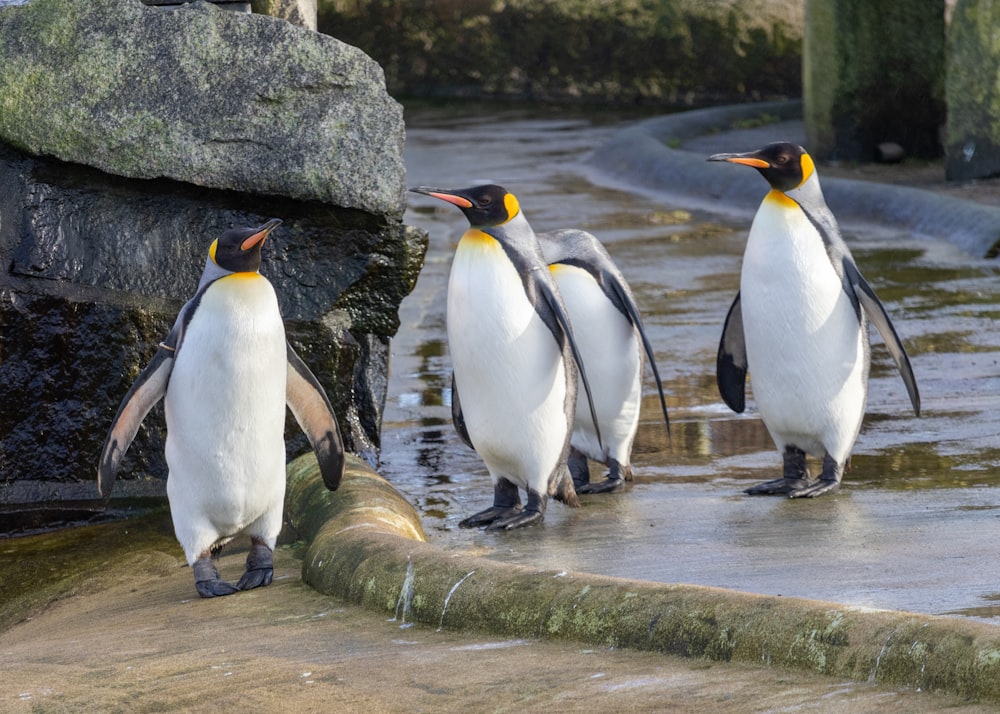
(484, 206)
(238, 249)
(785, 165)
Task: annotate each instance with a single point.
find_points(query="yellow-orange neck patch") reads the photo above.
(776, 196)
(243, 275)
(480, 239)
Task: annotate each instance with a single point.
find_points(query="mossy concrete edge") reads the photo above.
(365, 545)
(649, 155)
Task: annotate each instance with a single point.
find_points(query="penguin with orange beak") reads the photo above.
(226, 373)
(799, 326)
(514, 358)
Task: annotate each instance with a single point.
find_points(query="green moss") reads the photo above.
(622, 51)
(41, 568)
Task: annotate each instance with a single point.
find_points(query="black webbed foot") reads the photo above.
(506, 504)
(260, 567)
(489, 516)
(579, 468)
(816, 488)
(829, 480)
(521, 519)
(794, 477)
(533, 514)
(780, 487)
(606, 486)
(207, 581)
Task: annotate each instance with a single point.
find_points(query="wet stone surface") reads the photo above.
(126, 632)
(916, 523)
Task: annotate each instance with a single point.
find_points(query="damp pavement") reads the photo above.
(114, 624)
(128, 633)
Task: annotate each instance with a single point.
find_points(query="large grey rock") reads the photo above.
(219, 99)
(972, 144)
(98, 268)
(209, 119)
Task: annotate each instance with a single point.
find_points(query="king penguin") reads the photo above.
(799, 325)
(226, 373)
(514, 359)
(613, 342)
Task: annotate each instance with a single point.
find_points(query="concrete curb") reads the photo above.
(648, 155)
(366, 546)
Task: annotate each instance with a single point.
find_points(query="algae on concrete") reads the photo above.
(352, 553)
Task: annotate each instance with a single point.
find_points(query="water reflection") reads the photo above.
(917, 523)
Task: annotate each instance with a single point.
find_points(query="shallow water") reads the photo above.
(916, 525)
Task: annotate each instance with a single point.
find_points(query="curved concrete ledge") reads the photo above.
(649, 155)
(366, 545)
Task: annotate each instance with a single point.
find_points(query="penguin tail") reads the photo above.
(562, 489)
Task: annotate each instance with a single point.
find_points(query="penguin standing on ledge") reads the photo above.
(226, 373)
(609, 330)
(799, 325)
(514, 358)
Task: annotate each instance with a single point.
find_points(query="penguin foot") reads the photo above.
(489, 516)
(260, 568)
(578, 468)
(818, 488)
(521, 519)
(207, 581)
(783, 486)
(606, 486)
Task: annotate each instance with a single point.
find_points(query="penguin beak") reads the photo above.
(261, 233)
(745, 159)
(444, 195)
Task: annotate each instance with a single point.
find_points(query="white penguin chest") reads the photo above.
(508, 366)
(490, 319)
(805, 347)
(225, 401)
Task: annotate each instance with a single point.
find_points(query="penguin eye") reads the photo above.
(485, 201)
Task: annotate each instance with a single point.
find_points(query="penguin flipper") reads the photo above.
(556, 309)
(880, 318)
(731, 362)
(625, 300)
(457, 417)
(311, 408)
(147, 390)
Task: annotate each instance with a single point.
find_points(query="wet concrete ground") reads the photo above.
(132, 636)
(915, 526)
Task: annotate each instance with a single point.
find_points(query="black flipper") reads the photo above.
(457, 417)
(876, 313)
(307, 399)
(147, 390)
(556, 309)
(625, 301)
(731, 363)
